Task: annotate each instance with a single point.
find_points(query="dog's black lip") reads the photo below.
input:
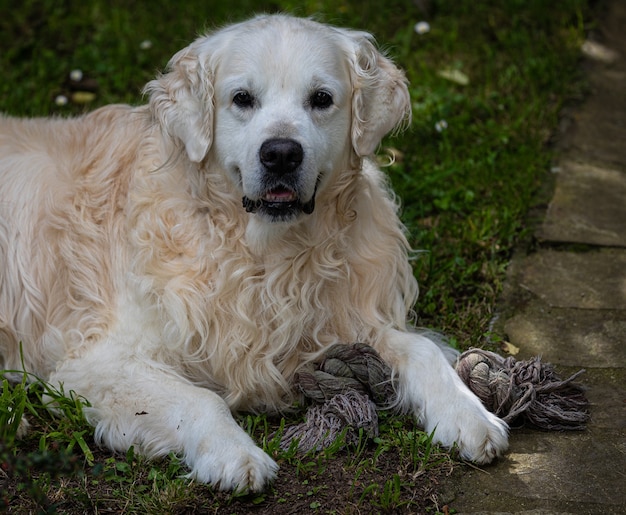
(253, 206)
(279, 209)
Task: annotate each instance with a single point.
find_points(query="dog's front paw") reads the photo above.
(483, 439)
(235, 465)
(479, 435)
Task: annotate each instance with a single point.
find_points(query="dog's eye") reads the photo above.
(321, 99)
(243, 99)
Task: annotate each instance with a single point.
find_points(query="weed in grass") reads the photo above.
(72, 427)
(13, 406)
(388, 497)
(32, 396)
(54, 455)
(359, 449)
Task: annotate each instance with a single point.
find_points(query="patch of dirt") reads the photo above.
(58, 483)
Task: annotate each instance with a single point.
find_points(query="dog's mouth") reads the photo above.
(280, 196)
(279, 204)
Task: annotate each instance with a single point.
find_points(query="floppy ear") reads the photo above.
(181, 100)
(380, 101)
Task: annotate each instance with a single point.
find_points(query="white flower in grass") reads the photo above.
(422, 27)
(76, 75)
(61, 100)
(441, 126)
(146, 44)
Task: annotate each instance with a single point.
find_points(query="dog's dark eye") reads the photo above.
(321, 100)
(243, 99)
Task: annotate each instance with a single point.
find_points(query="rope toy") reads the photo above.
(348, 385)
(527, 390)
(351, 382)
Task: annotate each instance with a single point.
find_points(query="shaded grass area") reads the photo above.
(57, 468)
(487, 82)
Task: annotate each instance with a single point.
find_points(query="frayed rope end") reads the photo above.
(525, 391)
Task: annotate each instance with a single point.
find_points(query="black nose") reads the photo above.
(280, 155)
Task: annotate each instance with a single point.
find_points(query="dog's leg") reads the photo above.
(138, 403)
(430, 388)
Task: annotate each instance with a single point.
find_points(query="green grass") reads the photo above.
(466, 190)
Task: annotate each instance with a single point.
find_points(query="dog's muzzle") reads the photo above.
(281, 158)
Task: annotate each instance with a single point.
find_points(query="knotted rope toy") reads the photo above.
(348, 385)
(351, 382)
(527, 390)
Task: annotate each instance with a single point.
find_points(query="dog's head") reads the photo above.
(282, 103)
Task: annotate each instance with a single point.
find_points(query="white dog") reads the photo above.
(133, 274)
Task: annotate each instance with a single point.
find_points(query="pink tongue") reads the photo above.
(280, 195)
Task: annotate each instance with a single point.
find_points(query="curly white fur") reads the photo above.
(132, 274)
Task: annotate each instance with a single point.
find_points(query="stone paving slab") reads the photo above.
(613, 27)
(606, 391)
(586, 280)
(541, 474)
(574, 338)
(597, 128)
(589, 205)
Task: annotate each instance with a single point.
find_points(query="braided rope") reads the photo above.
(347, 367)
(347, 385)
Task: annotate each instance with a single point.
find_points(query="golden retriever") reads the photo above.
(134, 274)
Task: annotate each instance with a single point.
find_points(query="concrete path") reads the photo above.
(566, 301)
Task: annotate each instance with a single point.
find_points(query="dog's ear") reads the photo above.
(380, 99)
(181, 100)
